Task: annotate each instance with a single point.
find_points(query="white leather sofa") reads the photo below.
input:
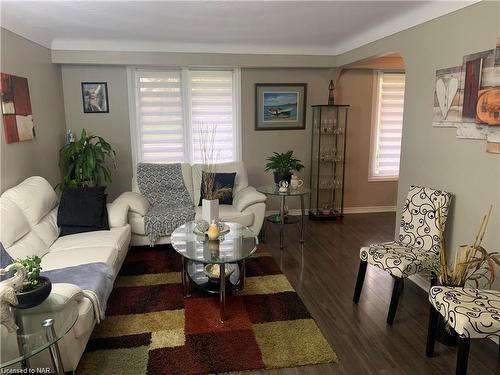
(248, 206)
(29, 227)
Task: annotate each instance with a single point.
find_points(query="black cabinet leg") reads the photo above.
(359, 282)
(396, 292)
(431, 331)
(462, 355)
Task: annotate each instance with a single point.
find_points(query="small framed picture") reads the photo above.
(280, 106)
(95, 97)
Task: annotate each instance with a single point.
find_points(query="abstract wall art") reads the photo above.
(467, 97)
(17, 116)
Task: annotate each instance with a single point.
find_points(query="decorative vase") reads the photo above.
(210, 210)
(278, 177)
(34, 297)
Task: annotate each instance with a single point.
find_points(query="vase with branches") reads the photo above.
(473, 263)
(210, 190)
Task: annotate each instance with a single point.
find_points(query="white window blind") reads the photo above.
(175, 109)
(160, 117)
(388, 126)
(212, 111)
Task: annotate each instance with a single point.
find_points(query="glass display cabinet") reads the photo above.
(328, 161)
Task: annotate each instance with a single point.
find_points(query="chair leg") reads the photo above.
(396, 292)
(359, 282)
(431, 331)
(462, 355)
(433, 279)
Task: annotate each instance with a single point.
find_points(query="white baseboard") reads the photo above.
(347, 210)
(367, 210)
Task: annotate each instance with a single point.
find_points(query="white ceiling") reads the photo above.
(276, 27)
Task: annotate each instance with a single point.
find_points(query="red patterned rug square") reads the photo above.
(151, 328)
(144, 299)
(199, 314)
(264, 308)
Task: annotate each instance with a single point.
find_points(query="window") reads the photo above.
(174, 109)
(387, 126)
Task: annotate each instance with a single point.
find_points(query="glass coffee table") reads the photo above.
(34, 335)
(282, 219)
(228, 254)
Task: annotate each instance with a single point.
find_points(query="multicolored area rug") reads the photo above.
(151, 329)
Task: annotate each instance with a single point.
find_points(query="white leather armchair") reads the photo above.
(248, 206)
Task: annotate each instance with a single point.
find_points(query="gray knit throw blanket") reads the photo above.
(171, 205)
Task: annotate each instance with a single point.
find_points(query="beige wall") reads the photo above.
(432, 156)
(113, 126)
(258, 145)
(355, 87)
(40, 156)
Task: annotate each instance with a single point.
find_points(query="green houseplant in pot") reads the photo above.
(283, 165)
(35, 288)
(85, 161)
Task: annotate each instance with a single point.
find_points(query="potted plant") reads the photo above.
(35, 288)
(282, 165)
(473, 265)
(84, 162)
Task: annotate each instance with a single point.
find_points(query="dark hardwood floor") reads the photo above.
(324, 271)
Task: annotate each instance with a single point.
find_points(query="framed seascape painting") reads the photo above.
(95, 97)
(280, 106)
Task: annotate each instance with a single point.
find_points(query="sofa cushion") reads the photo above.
(221, 180)
(76, 256)
(47, 228)
(116, 238)
(29, 245)
(82, 207)
(14, 225)
(23, 195)
(240, 182)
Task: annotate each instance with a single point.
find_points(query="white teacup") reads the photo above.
(296, 183)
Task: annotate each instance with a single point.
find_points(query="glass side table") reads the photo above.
(34, 336)
(283, 219)
(230, 250)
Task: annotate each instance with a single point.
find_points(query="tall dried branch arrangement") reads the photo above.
(209, 156)
(472, 263)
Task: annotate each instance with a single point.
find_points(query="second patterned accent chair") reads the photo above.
(417, 246)
(471, 313)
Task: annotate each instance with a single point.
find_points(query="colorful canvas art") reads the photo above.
(17, 115)
(467, 97)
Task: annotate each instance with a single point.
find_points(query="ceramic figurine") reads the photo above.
(283, 186)
(8, 296)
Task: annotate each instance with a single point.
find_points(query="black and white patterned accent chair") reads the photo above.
(472, 313)
(417, 245)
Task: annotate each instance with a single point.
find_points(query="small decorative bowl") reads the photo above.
(213, 271)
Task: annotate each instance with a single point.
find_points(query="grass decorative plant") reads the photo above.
(210, 190)
(85, 161)
(473, 263)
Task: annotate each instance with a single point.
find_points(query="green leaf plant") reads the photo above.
(283, 163)
(85, 161)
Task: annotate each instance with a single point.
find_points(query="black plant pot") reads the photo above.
(279, 177)
(34, 297)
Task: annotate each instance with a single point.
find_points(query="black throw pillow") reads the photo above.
(82, 210)
(222, 180)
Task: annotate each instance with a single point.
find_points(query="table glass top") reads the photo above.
(33, 336)
(239, 243)
(273, 190)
